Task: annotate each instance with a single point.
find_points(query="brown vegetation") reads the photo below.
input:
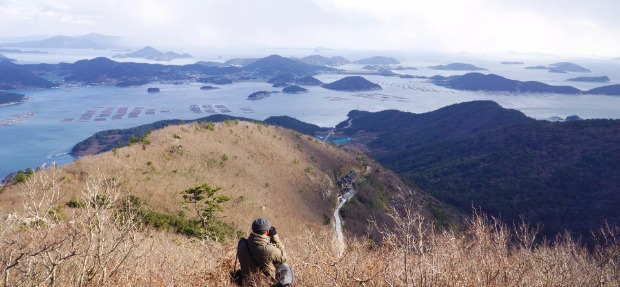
(269, 172)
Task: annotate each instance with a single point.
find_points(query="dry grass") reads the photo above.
(101, 246)
(267, 171)
(97, 245)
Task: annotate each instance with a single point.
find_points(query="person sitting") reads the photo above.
(263, 251)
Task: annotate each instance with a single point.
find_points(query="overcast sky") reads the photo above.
(547, 26)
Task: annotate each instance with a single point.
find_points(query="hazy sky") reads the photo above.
(548, 26)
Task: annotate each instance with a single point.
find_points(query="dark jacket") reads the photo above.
(268, 252)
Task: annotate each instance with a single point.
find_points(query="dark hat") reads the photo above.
(260, 225)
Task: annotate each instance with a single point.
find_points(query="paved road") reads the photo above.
(339, 236)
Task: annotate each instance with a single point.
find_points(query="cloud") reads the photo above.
(552, 26)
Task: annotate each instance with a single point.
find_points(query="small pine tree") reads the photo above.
(205, 202)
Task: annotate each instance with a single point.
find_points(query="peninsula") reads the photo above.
(7, 99)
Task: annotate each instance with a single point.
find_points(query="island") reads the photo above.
(603, 79)
(378, 60)
(319, 60)
(294, 90)
(561, 67)
(308, 81)
(537, 68)
(89, 41)
(17, 51)
(402, 68)
(151, 53)
(152, 90)
(279, 84)
(511, 63)
(457, 67)
(283, 77)
(352, 84)
(492, 82)
(612, 90)
(259, 95)
(206, 88)
(281, 68)
(11, 98)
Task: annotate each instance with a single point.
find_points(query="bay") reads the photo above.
(53, 120)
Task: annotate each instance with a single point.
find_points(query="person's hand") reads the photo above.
(273, 231)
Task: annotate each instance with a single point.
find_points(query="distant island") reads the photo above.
(352, 84)
(319, 60)
(492, 82)
(612, 90)
(511, 63)
(17, 51)
(385, 70)
(402, 68)
(294, 90)
(7, 99)
(378, 60)
(88, 41)
(308, 81)
(562, 67)
(457, 67)
(282, 78)
(278, 66)
(104, 71)
(603, 79)
(259, 95)
(151, 53)
(280, 84)
(152, 90)
(206, 88)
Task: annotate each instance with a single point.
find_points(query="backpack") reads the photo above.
(284, 275)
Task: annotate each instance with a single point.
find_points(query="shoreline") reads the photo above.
(11, 103)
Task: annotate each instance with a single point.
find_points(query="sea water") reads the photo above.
(52, 121)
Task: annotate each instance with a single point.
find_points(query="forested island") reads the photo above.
(11, 98)
(352, 84)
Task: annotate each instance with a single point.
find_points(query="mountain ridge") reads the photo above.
(560, 174)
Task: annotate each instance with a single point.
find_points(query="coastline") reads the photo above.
(11, 103)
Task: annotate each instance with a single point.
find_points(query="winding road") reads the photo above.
(339, 236)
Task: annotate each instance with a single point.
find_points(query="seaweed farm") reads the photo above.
(15, 119)
(382, 97)
(210, 109)
(100, 114)
(416, 88)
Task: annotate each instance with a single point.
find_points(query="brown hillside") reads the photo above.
(267, 171)
(286, 177)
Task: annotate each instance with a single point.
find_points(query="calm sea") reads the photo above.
(44, 129)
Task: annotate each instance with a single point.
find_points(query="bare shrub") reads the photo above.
(91, 249)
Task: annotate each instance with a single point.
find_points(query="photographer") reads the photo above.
(263, 251)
